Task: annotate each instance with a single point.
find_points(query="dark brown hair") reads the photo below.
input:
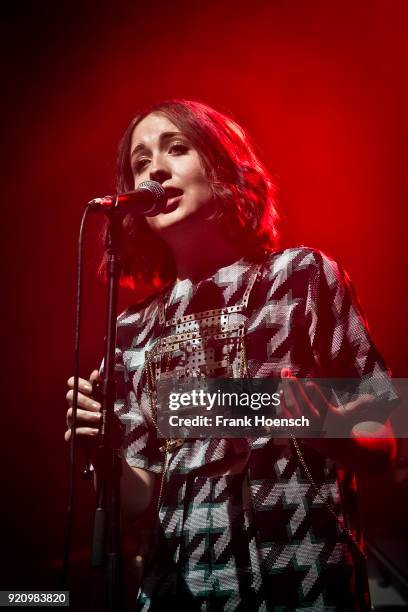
(240, 183)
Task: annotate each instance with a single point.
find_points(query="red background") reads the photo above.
(322, 88)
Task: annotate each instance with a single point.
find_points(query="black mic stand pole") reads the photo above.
(106, 546)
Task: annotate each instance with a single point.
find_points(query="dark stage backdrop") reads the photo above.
(322, 88)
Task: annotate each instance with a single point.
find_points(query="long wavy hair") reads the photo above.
(241, 185)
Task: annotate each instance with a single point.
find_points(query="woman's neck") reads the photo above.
(199, 255)
(204, 264)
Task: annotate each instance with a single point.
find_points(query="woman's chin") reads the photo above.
(176, 215)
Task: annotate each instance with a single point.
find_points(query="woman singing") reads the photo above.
(250, 523)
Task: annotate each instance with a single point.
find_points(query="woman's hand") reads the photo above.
(88, 413)
(137, 484)
(360, 445)
(307, 399)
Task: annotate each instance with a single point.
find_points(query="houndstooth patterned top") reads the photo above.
(261, 539)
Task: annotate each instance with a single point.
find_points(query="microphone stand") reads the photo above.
(106, 545)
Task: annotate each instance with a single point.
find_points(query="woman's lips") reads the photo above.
(172, 203)
(173, 192)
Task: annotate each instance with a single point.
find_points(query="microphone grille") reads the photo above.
(155, 188)
(159, 197)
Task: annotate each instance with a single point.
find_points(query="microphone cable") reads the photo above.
(72, 460)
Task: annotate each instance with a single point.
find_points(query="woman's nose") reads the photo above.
(159, 171)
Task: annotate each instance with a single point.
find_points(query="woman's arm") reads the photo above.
(136, 490)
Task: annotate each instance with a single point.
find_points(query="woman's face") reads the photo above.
(160, 152)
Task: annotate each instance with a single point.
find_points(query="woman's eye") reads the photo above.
(178, 148)
(140, 164)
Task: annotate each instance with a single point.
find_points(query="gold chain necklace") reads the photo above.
(330, 508)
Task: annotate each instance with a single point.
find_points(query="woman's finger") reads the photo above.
(317, 400)
(283, 408)
(359, 404)
(297, 399)
(82, 432)
(84, 401)
(291, 404)
(84, 416)
(83, 385)
(94, 376)
(305, 403)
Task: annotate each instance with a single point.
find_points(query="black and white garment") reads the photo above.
(261, 539)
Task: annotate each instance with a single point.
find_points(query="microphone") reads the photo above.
(148, 199)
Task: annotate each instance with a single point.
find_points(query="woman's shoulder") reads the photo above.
(294, 259)
(137, 311)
